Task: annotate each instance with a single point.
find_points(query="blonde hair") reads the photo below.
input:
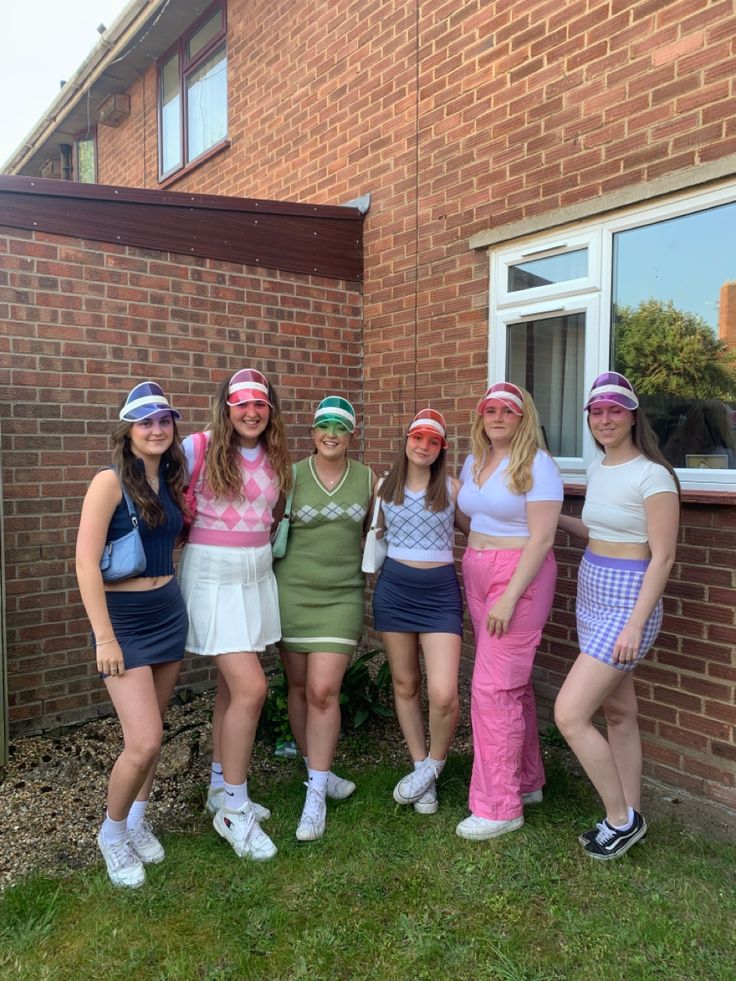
(527, 440)
(223, 472)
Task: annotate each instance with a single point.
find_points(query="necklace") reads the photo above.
(330, 483)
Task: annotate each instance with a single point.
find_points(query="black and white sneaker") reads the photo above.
(587, 836)
(611, 843)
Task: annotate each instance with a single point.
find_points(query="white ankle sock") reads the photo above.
(114, 831)
(216, 778)
(625, 827)
(439, 765)
(236, 795)
(318, 780)
(137, 812)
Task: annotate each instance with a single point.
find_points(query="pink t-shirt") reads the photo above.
(495, 510)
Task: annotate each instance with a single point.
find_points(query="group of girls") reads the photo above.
(232, 601)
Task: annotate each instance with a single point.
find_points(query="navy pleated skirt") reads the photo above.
(423, 601)
(150, 626)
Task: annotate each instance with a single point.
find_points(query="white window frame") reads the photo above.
(591, 295)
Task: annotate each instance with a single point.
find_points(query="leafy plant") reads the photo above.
(363, 695)
(274, 721)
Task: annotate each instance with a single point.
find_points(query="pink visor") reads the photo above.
(612, 388)
(507, 394)
(248, 385)
(429, 422)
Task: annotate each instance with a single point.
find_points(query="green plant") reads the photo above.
(274, 721)
(363, 695)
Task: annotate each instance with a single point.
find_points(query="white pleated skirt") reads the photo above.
(231, 598)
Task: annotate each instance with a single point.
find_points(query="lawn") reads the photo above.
(391, 894)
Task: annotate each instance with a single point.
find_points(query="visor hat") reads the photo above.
(248, 385)
(334, 408)
(509, 395)
(145, 400)
(431, 423)
(612, 388)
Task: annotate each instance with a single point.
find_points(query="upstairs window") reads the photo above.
(192, 87)
(650, 293)
(85, 157)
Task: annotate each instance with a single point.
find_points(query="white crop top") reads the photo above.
(495, 510)
(614, 500)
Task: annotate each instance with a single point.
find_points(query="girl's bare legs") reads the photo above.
(588, 685)
(403, 658)
(624, 738)
(246, 685)
(441, 661)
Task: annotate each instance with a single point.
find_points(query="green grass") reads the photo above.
(391, 894)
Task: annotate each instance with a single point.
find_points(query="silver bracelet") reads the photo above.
(101, 643)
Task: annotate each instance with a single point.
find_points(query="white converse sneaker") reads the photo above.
(478, 829)
(533, 797)
(415, 784)
(216, 797)
(338, 788)
(427, 803)
(312, 822)
(123, 866)
(242, 830)
(145, 844)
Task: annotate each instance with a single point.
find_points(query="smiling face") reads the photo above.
(500, 424)
(249, 421)
(331, 440)
(422, 449)
(610, 425)
(153, 436)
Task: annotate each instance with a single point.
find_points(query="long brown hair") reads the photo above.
(132, 473)
(436, 497)
(223, 472)
(527, 440)
(646, 443)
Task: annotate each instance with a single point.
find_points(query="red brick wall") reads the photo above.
(80, 322)
(458, 117)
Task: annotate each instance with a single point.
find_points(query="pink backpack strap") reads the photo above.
(200, 445)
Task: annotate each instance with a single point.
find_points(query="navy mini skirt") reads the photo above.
(150, 626)
(422, 601)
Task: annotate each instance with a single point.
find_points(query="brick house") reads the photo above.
(553, 192)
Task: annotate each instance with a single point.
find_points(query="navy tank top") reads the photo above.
(158, 542)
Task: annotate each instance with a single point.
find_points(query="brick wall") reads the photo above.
(80, 322)
(459, 117)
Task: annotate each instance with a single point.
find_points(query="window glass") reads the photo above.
(207, 104)
(546, 356)
(170, 115)
(86, 160)
(674, 331)
(204, 35)
(550, 269)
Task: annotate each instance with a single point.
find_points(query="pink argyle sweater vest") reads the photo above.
(240, 521)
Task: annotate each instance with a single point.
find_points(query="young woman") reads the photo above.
(417, 601)
(630, 521)
(321, 597)
(229, 587)
(512, 492)
(139, 624)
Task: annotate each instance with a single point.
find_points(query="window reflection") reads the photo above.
(550, 269)
(546, 357)
(674, 331)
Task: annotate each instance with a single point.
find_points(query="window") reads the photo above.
(650, 293)
(85, 157)
(192, 85)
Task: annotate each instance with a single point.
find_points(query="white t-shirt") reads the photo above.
(614, 501)
(495, 510)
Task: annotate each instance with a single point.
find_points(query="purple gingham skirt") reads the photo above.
(607, 592)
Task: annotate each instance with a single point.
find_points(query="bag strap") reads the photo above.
(128, 503)
(376, 505)
(286, 516)
(200, 446)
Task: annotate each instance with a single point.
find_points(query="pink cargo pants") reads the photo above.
(507, 761)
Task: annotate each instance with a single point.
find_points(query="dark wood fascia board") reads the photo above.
(319, 240)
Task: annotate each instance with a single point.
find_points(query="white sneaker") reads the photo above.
(478, 828)
(339, 788)
(533, 797)
(415, 784)
(216, 797)
(123, 866)
(427, 803)
(242, 830)
(145, 844)
(312, 822)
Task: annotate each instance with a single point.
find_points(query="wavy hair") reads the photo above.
(527, 440)
(222, 469)
(132, 473)
(646, 443)
(436, 497)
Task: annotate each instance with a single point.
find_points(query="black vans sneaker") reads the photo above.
(610, 843)
(587, 836)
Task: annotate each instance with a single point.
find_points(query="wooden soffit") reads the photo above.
(319, 240)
